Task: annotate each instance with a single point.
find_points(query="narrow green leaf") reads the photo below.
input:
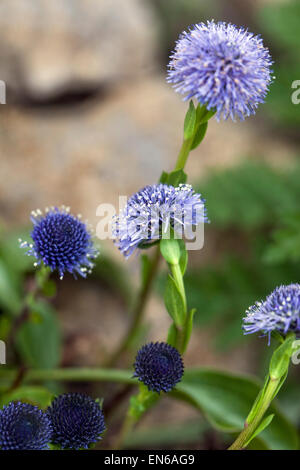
(201, 112)
(164, 177)
(176, 178)
(170, 250)
(189, 121)
(172, 335)
(208, 115)
(258, 401)
(280, 360)
(174, 302)
(281, 382)
(199, 136)
(263, 425)
(189, 328)
(183, 257)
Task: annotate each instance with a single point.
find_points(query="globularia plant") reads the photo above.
(227, 72)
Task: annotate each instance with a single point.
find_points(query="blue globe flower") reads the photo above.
(77, 421)
(224, 67)
(280, 312)
(24, 427)
(159, 366)
(151, 212)
(61, 241)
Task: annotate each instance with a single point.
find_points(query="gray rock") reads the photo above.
(48, 46)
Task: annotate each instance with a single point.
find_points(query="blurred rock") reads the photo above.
(47, 47)
(91, 154)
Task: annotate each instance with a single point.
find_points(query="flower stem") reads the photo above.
(72, 374)
(242, 439)
(183, 154)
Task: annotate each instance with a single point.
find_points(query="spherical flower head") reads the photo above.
(159, 366)
(224, 67)
(77, 421)
(153, 211)
(24, 427)
(280, 312)
(61, 241)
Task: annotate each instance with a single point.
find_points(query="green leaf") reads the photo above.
(183, 257)
(257, 401)
(39, 340)
(189, 121)
(35, 395)
(199, 136)
(225, 399)
(170, 250)
(263, 425)
(189, 328)
(174, 302)
(164, 177)
(172, 335)
(281, 359)
(176, 178)
(208, 115)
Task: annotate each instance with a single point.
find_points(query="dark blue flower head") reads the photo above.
(159, 366)
(151, 212)
(24, 427)
(77, 421)
(224, 67)
(61, 241)
(280, 312)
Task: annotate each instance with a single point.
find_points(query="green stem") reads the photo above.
(245, 435)
(183, 154)
(138, 310)
(72, 374)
